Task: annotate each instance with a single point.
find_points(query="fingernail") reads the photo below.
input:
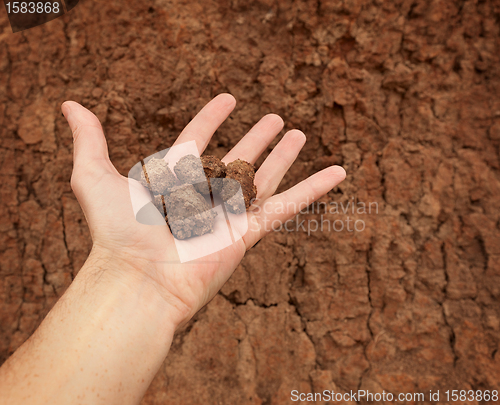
(340, 170)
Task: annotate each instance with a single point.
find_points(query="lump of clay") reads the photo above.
(189, 170)
(159, 203)
(239, 174)
(157, 176)
(188, 212)
(215, 170)
(203, 173)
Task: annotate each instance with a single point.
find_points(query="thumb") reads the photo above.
(90, 147)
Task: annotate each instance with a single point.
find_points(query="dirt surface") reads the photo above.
(404, 94)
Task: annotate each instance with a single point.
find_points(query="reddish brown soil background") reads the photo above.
(404, 94)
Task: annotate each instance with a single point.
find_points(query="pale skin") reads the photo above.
(107, 336)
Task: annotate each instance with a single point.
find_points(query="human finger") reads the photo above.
(271, 172)
(281, 207)
(251, 146)
(90, 147)
(205, 123)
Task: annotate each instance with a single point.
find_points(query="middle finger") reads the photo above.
(250, 147)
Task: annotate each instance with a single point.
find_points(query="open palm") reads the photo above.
(104, 196)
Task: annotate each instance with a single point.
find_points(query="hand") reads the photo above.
(145, 252)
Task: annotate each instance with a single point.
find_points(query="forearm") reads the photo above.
(103, 342)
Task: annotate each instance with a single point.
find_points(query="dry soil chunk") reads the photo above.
(215, 170)
(157, 176)
(159, 203)
(189, 170)
(198, 172)
(188, 212)
(239, 174)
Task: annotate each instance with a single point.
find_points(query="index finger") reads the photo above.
(205, 123)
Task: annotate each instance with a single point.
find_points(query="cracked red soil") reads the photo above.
(403, 94)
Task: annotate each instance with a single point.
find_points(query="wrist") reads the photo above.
(108, 328)
(124, 279)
